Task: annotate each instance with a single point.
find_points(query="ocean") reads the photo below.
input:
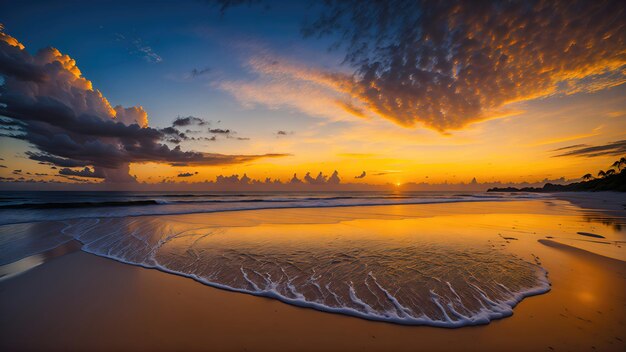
(394, 263)
(19, 207)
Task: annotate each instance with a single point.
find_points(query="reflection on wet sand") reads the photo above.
(10, 270)
(436, 264)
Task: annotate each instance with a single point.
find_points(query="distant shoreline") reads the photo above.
(615, 183)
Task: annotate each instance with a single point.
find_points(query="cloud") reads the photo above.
(613, 148)
(444, 65)
(195, 73)
(148, 54)
(140, 48)
(334, 178)
(3, 166)
(189, 120)
(86, 172)
(57, 110)
(187, 174)
(321, 179)
(226, 132)
(280, 83)
(362, 175)
(281, 133)
(575, 146)
(387, 172)
(50, 159)
(295, 180)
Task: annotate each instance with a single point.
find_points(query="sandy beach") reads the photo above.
(80, 301)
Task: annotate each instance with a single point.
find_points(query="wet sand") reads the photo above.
(83, 302)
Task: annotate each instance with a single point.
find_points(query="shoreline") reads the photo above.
(72, 299)
(151, 310)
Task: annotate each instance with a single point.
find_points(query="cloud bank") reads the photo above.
(45, 101)
(446, 64)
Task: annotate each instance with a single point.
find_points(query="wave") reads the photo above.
(65, 208)
(419, 282)
(157, 201)
(71, 205)
(412, 278)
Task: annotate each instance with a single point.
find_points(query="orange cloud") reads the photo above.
(447, 64)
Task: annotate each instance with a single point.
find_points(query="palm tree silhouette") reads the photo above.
(587, 177)
(601, 174)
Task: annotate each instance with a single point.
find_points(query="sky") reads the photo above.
(392, 92)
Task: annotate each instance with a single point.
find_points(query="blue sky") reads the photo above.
(256, 74)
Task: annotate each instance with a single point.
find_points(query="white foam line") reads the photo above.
(485, 316)
(402, 310)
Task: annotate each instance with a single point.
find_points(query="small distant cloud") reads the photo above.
(137, 46)
(195, 73)
(3, 167)
(189, 120)
(148, 53)
(362, 175)
(187, 174)
(386, 172)
(282, 133)
(219, 131)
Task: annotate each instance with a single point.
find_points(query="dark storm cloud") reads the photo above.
(445, 64)
(50, 159)
(73, 125)
(18, 63)
(613, 148)
(86, 172)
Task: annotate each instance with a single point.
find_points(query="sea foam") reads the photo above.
(408, 279)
